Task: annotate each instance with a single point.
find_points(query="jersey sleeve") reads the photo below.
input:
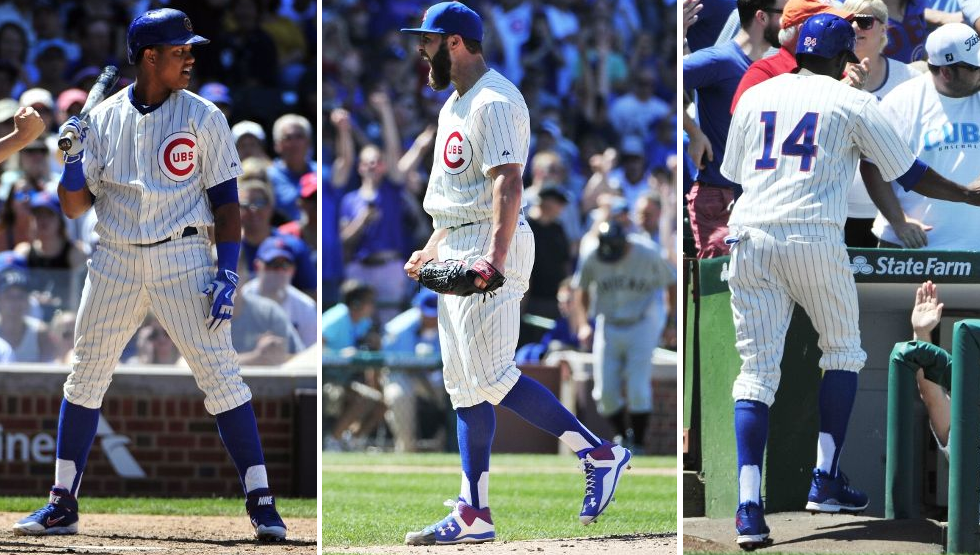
(583, 277)
(92, 160)
(220, 160)
(731, 162)
(506, 134)
(878, 140)
(699, 69)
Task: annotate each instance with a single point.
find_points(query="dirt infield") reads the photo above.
(126, 534)
(640, 544)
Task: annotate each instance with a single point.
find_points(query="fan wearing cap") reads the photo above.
(935, 116)
(414, 332)
(275, 265)
(474, 196)
(54, 259)
(794, 144)
(794, 13)
(158, 165)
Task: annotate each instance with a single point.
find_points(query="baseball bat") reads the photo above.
(106, 81)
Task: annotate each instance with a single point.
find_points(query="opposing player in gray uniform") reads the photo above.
(475, 196)
(619, 283)
(159, 166)
(794, 145)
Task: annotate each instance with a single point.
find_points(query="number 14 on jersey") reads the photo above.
(800, 142)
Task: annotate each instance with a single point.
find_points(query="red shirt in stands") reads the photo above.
(783, 62)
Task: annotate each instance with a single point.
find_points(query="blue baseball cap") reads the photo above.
(272, 248)
(44, 199)
(827, 35)
(216, 93)
(427, 301)
(451, 18)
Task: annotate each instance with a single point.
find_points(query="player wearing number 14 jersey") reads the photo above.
(794, 144)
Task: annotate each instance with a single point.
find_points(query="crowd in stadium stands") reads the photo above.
(260, 70)
(599, 79)
(731, 45)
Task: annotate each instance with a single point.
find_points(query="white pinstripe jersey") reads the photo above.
(149, 173)
(487, 127)
(794, 145)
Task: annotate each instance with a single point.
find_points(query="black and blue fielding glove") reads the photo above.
(221, 294)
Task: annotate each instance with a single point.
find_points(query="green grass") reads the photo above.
(364, 508)
(216, 506)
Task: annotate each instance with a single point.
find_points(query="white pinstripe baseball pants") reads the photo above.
(123, 282)
(477, 334)
(773, 267)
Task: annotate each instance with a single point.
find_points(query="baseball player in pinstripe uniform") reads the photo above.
(794, 144)
(474, 197)
(159, 166)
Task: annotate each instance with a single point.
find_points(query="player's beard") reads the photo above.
(440, 68)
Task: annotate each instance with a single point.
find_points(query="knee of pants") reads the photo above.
(81, 389)
(752, 387)
(607, 401)
(640, 398)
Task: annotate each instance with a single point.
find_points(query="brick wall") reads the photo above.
(172, 438)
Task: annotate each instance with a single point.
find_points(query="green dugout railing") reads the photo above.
(901, 500)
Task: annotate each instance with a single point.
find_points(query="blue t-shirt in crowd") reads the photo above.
(333, 252)
(285, 187)
(715, 73)
(711, 20)
(387, 232)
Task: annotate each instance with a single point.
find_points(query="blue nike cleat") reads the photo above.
(465, 524)
(58, 517)
(750, 524)
(261, 508)
(834, 495)
(603, 467)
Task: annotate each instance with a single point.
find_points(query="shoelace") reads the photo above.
(43, 510)
(589, 469)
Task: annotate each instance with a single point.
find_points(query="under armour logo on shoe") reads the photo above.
(451, 527)
(265, 500)
(592, 502)
(505, 153)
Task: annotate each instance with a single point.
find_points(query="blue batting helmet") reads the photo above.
(827, 35)
(163, 26)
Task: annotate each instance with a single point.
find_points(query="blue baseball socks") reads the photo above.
(240, 435)
(751, 431)
(474, 431)
(534, 403)
(76, 432)
(837, 391)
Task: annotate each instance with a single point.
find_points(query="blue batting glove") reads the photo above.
(221, 295)
(79, 130)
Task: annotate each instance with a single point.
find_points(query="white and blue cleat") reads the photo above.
(750, 526)
(603, 467)
(834, 495)
(261, 508)
(465, 524)
(58, 517)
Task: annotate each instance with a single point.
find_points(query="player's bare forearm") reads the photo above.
(227, 223)
(75, 203)
(881, 194)
(507, 189)
(936, 186)
(429, 252)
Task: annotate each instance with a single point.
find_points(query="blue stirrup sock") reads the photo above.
(474, 431)
(76, 432)
(240, 435)
(751, 431)
(534, 403)
(837, 391)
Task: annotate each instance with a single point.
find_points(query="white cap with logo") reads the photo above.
(953, 43)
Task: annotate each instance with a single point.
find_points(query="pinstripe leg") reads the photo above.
(181, 269)
(112, 307)
(762, 312)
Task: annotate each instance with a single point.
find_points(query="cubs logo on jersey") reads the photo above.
(457, 153)
(177, 156)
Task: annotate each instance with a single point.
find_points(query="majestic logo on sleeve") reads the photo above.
(456, 153)
(178, 156)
